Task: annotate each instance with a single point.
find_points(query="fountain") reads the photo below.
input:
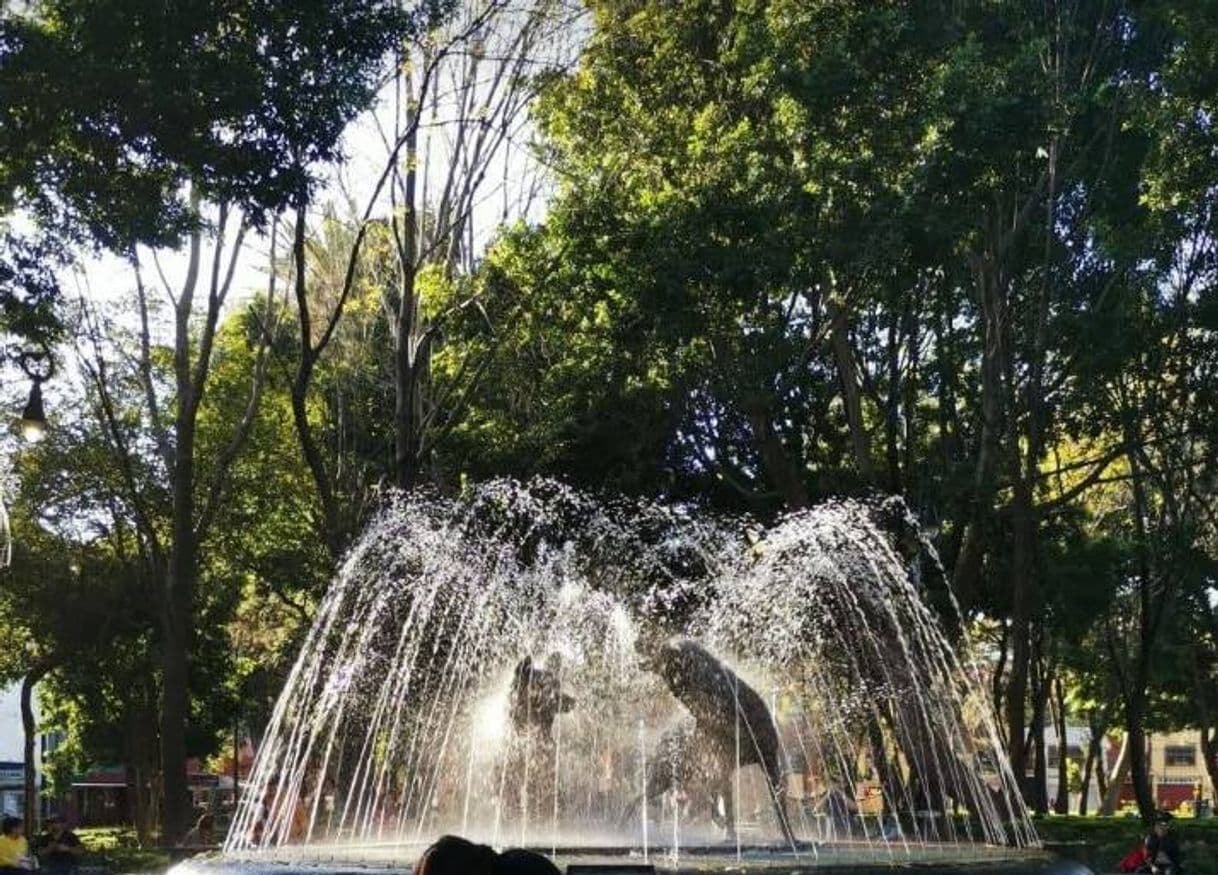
(636, 683)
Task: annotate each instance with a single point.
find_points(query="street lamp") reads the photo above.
(33, 417)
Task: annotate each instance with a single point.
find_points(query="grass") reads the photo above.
(1100, 842)
(117, 850)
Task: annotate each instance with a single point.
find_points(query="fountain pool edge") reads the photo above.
(948, 861)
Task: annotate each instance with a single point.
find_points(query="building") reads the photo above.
(1177, 768)
(12, 751)
(1176, 761)
(1078, 738)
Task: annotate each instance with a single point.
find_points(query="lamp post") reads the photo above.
(38, 366)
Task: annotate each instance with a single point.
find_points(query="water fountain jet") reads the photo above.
(415, 707)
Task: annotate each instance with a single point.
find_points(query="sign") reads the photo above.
(11, 776)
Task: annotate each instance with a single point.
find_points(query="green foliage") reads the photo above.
(110, 108)
(1101, 842)
(113, 115)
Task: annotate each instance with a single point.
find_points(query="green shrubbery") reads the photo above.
(1101, 842)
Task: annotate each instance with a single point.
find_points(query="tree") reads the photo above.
(787, 235)
(234, 107)
(457, 109)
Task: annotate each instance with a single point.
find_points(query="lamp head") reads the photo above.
(33, 417)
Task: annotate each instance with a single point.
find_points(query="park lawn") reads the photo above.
(1108, 839)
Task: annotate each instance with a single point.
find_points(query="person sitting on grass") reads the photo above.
(14, 850)
(58, 847)
(1162, 849)
(453, 855)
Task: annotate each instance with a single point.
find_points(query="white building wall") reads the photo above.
(12, 748)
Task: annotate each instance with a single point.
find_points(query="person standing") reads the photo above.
(58, 848)
(14, 850)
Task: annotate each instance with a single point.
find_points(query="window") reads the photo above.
(1180, 755)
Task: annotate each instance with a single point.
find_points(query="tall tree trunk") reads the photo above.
(333, 532)
(1095, 765)
(406, 409)
(1093, 751)
(1061, 805)
(176, 616)
(1040, 766)
(1101, 773)
(909, 475)
(140, 743)
(30, 737)
(1022, 587)
(892, 411)
(990, 286)
(1139, 767)
(852, 392)
(177, 621)
(781, 471)
(1136, 691)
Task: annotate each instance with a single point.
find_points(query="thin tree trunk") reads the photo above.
(1061, 805)
(1093, 750)
(852, 393)
(990, 286)
(1101, 772)
(176, 631)
(1117, 779)
(407, 387)
(1040, 768)
(1139, 766)
(30, 738)
(332, 531)
(780, 469)
(1136, 692)
(1095, 765)
(892, 412)
(1023, 533)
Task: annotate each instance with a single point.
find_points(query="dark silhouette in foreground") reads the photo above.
(732, 728)
(453, 855)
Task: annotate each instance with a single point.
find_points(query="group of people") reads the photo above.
(1159, 854)
(56, 850)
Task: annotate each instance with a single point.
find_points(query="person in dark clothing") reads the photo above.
(450, 855)
(453, 855)
(1162, 849)
(58, 848)
(517, 862)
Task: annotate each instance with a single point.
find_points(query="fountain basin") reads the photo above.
(835, 859)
